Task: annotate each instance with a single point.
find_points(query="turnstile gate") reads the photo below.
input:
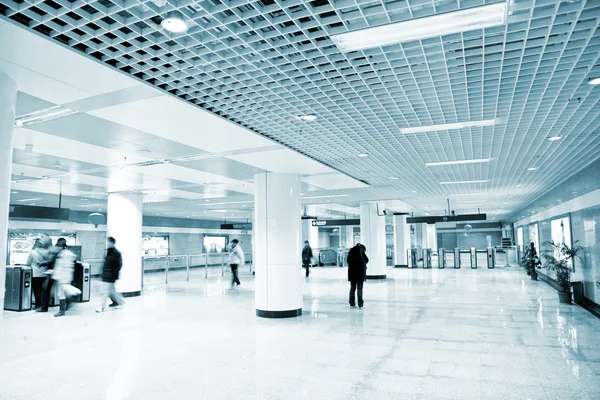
(490, 258)
(82, 281)
(457, 258)
(18, 289)
(464, 258)
(412, 258)
(441, 258)
(426, 258)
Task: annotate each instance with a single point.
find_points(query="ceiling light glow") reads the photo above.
(306, 118)
(325, 197)
(460, 182)
(446, 127)
(595, 81)
(554, 138)
(474, 161)
(531, 169)
(363, 155)
(174, 22)
(423, 28)
(394, 178)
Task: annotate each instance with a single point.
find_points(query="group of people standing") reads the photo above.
(357, 269)
(53, 269)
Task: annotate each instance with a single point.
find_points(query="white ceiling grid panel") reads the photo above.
(261, 63)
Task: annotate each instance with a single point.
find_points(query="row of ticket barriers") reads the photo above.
(19, 280)
(467, 258)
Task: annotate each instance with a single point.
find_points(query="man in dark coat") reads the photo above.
(110, 273)
(357, 272)
(307, 256)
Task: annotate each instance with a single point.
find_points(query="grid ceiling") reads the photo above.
(261, 63)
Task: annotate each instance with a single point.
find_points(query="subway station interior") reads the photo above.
(211, 167)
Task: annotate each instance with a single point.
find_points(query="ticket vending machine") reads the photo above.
(473, 258)
(490, 258)
(457, 258)
(18, 288)
(82, 281)
(426, 258)
(441, 258)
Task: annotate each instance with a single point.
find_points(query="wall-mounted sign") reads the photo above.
(334, 222)
(446, 218)
(242, 226)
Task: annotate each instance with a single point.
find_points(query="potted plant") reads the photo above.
(560, 259)
(531, 261)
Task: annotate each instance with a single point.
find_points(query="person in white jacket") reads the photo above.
(236, 258)
(64, 267)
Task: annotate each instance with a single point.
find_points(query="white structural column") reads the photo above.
(372, 235)
(124, 223)
(310, 233)
(401, 241)
(8, 98)
(277, 241)
(349, 237)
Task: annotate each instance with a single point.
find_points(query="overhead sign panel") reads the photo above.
(432, 219)
(35, 212)
(335, 222)
(236, 226)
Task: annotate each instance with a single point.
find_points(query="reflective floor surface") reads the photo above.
(424, 334)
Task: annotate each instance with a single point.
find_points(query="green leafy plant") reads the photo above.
(560, 259)
(530, 261)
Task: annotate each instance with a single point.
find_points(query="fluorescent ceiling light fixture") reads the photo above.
(174, 22)
(467, 194)
(306, 118)
(39, 116)
(460, 182)
(446, 127)
(326, 197)
(474, 161)
(423, 28)
(595, 81)
(554, 138)
(519, 185)
(531, 169)
(27, 200)
(363, 155)
(394, 178)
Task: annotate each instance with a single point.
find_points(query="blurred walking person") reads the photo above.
(110, 274)
(357, 273)
(307, 255)
(236, 258)
(64, 268)
(48, 286)
(38, 261)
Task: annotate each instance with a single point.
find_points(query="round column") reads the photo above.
(124, 223)
(372, 235)
(8, 98)
(277, 238)
(401, 241)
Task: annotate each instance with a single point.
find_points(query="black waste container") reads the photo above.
(18, 289)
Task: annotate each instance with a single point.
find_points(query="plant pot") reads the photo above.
(533, 277)
(564, 297)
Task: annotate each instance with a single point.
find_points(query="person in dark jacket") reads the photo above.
(110, 274)
(307, 255)
(357, 272)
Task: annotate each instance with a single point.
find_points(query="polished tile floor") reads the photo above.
(424, 334)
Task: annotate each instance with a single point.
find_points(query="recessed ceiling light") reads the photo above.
(423, 28)
(13, 192)
(519, 185)
(174, 22)
(554, 138)
(446, 127)
(531, 169)
(28, 200)
(414, 191)
(363, 155)
(595, 81)
(473, 161)
(306, 117)
(459, 182)
(32, 204)
(394, 178)
(206, 199)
